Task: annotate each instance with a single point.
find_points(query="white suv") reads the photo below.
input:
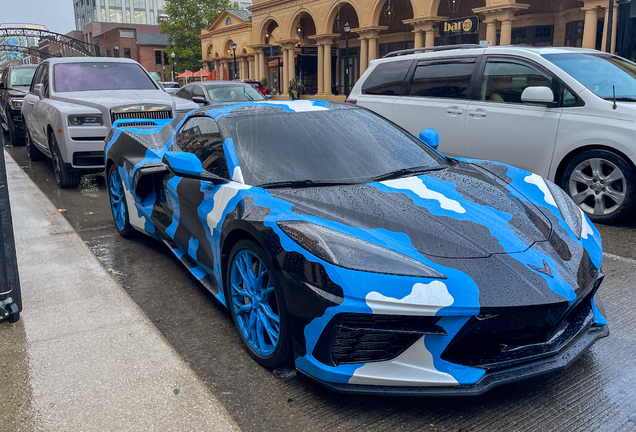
(567, 114)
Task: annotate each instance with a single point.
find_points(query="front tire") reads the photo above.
(118, 205)
(63, 175)
(255, 300)
(32, 151)
(602, 184)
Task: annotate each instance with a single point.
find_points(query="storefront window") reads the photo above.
(574, 34)
(354, 69)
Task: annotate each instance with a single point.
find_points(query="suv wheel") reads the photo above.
(32, 151)
(602, 184)
(63, 175)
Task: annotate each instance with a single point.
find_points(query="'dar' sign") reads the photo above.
(459, 26)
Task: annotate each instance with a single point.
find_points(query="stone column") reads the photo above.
(321, 68)
(491, 31)
(419, 39)
(364, 55)
(505, 14)
(605, 23)
(250, 67)
(327, 68)
(506, 32)
(291, 71)
(285, 70)
(614, 28)
(217, 67)
(265, 67)
(373, 48)
(589, 29)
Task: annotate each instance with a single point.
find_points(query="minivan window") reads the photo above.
(387, 78)
(442, 80)
(505, 81)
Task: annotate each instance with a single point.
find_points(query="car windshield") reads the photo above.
(22, 77)
(342, 145)
(239, 93)
(600, 73)
(85, 76)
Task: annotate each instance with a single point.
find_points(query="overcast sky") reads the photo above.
(56, 15)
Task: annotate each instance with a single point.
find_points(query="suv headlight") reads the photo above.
(353, 253)
(85, 120)
(571, 213)
(16, 104)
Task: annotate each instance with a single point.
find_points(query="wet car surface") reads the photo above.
(597, 393)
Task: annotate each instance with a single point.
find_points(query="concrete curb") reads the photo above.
(92, 360)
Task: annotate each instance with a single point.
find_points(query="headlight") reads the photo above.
(16, 104)
(85, 120)
(569, 210)
(353, 253)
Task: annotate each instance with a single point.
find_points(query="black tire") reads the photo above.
(14, 313)
(283, 353)
(602, 184)
(32, 151)
(63, 175)
(126, 230)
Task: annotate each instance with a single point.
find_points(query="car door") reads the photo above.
(4, 99)
(501, 127)
(37, 107)
(384, 84)
(438, 97)
(185, 196)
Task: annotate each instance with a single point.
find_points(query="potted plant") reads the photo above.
(295, 88)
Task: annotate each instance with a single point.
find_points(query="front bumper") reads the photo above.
(490, 380)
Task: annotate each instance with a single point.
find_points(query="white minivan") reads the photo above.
(567, 114)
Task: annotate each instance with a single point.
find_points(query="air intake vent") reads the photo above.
(148, 112)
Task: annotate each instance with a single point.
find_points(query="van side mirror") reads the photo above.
(38, 89)
(430, 137)
(541, 95)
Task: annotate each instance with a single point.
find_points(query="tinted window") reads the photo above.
(443, 80)
(387, 78)
(239, 93)
(100, 76)
(36, 77)
(505, 81)
(350, 145)
(198, 91)
(200, 135)
(185, 93)
(45, 80)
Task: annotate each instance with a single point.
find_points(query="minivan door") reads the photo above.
(501, 127)
(382, 87)
(438, 98)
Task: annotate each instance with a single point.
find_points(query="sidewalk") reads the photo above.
(83, 356)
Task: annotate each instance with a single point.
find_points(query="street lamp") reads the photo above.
(173, 55)
(234, 51)
(388, 13)
(347, 29)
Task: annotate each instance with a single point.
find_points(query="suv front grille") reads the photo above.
(149, 112)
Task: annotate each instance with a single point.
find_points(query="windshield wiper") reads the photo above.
(406, 172)
(306, 183)
(246, 95)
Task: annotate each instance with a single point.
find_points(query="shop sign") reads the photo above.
(459, 26)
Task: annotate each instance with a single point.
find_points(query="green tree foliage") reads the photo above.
(183, 22)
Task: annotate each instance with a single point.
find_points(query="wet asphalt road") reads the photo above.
(596, 393)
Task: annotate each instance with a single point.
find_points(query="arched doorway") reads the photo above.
(392, 14)
(306, 61)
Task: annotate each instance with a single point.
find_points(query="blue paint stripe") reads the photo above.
(230, 155)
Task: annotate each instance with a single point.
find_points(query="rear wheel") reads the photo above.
(63, 175)
(602, 184)
(118, 204)
(32, 151)
(256, 302)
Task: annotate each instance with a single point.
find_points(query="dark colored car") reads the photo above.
(14, 85)
(212, 92)
(348, 247)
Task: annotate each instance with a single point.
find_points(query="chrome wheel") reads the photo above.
(254, 303)
(598, 186)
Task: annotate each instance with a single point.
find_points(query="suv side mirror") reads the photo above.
(38, 89)
(200, 100)
(430, 137)
(540, 95)
(186, 164)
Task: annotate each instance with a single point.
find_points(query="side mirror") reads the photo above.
(38, 89)
(540, 95)
(199, 100)
(430, 137)
(186, 164)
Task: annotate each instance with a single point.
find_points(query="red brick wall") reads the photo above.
(147, 60)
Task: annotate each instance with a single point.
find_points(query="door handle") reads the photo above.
(30, 103)
(454, 110)
(479, 113)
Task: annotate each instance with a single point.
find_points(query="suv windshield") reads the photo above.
(85, 76)
(341, 145)
(22, 77)
(239, 93)
(600, 73)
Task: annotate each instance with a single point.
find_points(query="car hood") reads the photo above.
(458, 212)
(116, 98)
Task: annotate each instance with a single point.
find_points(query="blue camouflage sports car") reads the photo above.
(353, 250)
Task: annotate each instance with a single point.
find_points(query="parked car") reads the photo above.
(256, 84)
(346, 246)
(209, 92)
(14, 85)
(551, 111)
(170, 87)
(72, 103)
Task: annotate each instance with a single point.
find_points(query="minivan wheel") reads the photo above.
(602, 184)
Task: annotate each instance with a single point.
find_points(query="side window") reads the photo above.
(201, 136)
(443, 80)
(387, 78)
(45, 80)
(197, 90)
(36, 77)
(504, 81)
(3, 78)
(185, 93)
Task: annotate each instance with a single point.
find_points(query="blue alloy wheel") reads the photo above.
(118, 203)
(255, 303)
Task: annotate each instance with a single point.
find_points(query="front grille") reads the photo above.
(89, 138)
(157, 113)
(92, 158)
(365, 338)
(139, 124)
